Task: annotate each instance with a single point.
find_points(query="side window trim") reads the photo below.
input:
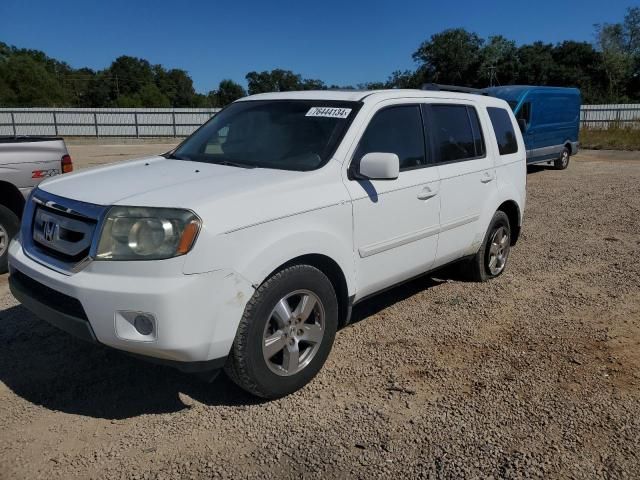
(427, 122)
(480, 134)
(426, 151)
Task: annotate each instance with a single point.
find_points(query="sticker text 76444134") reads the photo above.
(330, 112)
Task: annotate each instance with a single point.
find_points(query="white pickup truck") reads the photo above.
(24, 163)
(247, 246)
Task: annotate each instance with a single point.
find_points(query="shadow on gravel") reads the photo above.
(373, 305)
(532, 169)
(50, 368)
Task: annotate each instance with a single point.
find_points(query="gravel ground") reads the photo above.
(91, 154)
(535, 374)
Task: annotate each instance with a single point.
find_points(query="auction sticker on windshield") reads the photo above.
(330, 112)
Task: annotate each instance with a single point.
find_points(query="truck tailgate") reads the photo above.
(26, 163)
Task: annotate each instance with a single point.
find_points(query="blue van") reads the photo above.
(549, 118)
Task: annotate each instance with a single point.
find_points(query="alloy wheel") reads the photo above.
(498, 251)
(293, 332)
(4, 240)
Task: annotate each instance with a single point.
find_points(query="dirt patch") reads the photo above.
(535, 374)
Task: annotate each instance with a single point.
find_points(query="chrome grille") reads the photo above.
(59, 232)
(64, 235)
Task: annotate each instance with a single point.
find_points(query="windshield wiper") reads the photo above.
(229, 163)
(173, 156)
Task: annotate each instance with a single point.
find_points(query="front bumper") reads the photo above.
(575, 147)
(196, 316)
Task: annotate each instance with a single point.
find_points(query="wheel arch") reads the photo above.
(11, 198)
(569, 146)
(512, 210)
(336, 276)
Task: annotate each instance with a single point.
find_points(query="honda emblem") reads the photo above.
(49, 229)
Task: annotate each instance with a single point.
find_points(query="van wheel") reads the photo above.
(9, 226)
(286, 333)
(491, 259)
(562, 162)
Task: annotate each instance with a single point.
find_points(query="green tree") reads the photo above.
(312, 84)
(176, 85)
(130, 74)
(499, 63)
(28, 83)
(450, 57)
(279, 80)
(616, 58)
(578, 64)
(632, 36)
(228, 91)
(403, 79)
(536, 63)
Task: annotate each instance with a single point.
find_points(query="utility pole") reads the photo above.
(493, 76)
(117, 88)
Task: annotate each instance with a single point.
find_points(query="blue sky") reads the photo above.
(339, 42)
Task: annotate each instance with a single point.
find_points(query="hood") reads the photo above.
(234, 197)
(117, 183)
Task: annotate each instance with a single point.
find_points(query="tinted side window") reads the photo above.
(456, 133)
(525, 112)
(503, 128)
(396, 130)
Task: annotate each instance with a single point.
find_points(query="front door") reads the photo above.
(396, 222)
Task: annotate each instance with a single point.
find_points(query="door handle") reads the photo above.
(488, 177)
(426, 193)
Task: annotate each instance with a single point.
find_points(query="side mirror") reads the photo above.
(522, 123)
(379, 166)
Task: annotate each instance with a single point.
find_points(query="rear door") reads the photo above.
(467, 175)
(395, 221)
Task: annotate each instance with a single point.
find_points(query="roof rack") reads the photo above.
(437, 87)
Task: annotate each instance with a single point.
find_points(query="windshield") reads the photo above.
(282, 134)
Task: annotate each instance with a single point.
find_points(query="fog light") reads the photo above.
(143, 324)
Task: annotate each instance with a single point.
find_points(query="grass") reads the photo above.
(614, 138)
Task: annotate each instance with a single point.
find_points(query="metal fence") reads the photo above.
(180, 122)
(605, 116)
(103, 122)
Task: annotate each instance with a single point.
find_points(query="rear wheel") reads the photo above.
(562, 162)
(9, 225)
(491, 259)
(286, 333)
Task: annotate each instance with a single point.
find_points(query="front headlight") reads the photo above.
(141, 233)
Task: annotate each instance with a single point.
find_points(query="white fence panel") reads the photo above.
(624, 115)
(103, 122)
(180, 122)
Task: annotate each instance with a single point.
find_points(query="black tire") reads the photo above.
(247, 365)
(479, 269)
(562, 162)
(9, 226)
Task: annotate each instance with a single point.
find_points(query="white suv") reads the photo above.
(247, 246)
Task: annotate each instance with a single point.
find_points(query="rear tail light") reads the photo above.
(67, 164)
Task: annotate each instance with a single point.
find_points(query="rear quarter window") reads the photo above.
(503, 129)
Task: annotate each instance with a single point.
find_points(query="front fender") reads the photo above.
(256, 251)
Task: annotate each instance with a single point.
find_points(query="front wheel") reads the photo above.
(491, 259)
(9, 225)
(562, 162)
(286, 333)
